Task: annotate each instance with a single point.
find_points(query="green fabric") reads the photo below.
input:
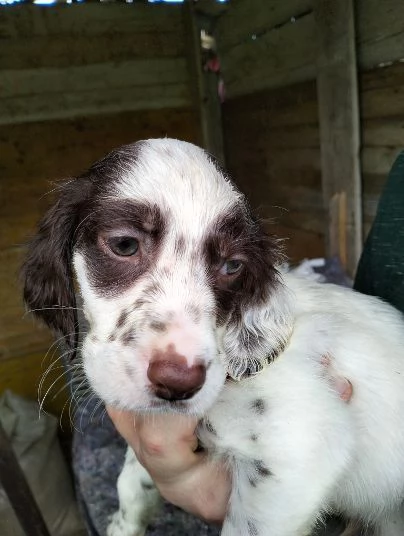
(381, 267)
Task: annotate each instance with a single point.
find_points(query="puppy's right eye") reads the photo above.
(123, 246)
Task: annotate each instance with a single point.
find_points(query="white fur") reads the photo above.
(323, 454)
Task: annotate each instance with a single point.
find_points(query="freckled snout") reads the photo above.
(172, 378)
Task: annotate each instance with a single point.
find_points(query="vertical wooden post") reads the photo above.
(205, 89)
(339, 128)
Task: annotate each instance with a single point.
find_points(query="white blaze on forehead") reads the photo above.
(179, 177)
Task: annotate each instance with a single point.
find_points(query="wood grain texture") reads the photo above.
(380, 29)
(276, 58)
(265, 45)
(273, 153)
(61, 52)
(89, 59)
(339, 128)
(255, 17)
(88, 19)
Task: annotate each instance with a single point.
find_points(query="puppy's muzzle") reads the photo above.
(172, 379)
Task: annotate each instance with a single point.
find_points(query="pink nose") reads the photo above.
(172, 378)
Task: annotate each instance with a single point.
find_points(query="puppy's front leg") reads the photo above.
(139, 499)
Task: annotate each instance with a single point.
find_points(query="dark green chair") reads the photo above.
(381, 267)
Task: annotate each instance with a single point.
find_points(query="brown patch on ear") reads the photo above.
(47, 270)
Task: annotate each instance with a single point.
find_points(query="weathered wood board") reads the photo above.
(265, 44)
(87, 59)
(273, 150)
(337, 91)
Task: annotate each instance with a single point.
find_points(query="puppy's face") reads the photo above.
(168, 261)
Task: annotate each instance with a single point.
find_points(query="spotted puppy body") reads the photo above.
(188, 313)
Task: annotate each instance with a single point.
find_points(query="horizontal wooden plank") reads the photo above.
(44, 51)
(103, 76)
(383, 102)
(42, 94)
(292, 105)
(380, 29)
(88, 19)
(373, 184)
(251, 132)
(378, 160)
(277, 58)
(52, 150)
(78, 104)
(255, 17)
(382, 77)
(385, 132)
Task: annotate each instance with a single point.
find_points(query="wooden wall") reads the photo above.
(68, 60)
(268, 53)
(75, 81)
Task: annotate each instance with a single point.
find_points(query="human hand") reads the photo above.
(166, 446)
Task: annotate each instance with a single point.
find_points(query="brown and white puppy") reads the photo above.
(181, 290)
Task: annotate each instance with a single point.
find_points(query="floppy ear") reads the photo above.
(47, 270)
(259, 328)
(259, 336)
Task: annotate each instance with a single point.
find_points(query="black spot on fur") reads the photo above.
(252, 528)
(254, 437)
(261, 469)
(160, 327)
(209, 427)
(139, 303)
(112, 337)
(128, 337)
(122, 319)
(253, 480)
(194, 312)
(147, 485)
(259, 406)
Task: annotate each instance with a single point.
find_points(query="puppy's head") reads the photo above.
(174, 273)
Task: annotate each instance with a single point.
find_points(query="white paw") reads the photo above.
(119, 526)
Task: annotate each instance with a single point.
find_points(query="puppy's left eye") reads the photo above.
(124, 246)
(231, 267)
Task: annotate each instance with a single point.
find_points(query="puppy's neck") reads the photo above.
(261, 336)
